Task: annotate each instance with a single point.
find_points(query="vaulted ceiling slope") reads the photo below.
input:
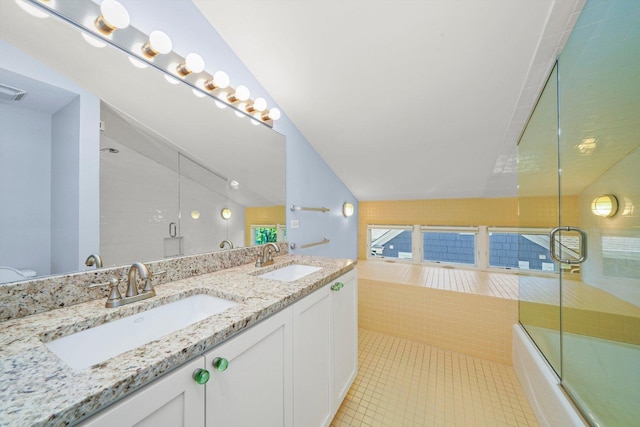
(403, 99)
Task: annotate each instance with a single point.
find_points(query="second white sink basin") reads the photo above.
(290, 272)
(100, 343)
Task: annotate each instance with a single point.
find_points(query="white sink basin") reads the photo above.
(290, 272)
(100, 343)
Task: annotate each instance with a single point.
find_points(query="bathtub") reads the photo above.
(541, 385)
(605, 371)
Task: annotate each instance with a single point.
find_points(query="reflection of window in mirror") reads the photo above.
(261, 234)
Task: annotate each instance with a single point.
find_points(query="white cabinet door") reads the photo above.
(345, 334)
(173, 400)
(255, 389)
(312, 368)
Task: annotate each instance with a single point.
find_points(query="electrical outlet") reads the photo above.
(295, 223)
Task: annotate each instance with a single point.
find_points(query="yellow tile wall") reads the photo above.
(499, 212)
(262, 215)
(472, 324)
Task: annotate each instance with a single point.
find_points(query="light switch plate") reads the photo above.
(295, 223)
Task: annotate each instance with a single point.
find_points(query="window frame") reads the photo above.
(511, 270)
(390, 227)
(281, 230)
(482, 258)
(474, 230)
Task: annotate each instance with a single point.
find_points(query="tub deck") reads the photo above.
(472, 312)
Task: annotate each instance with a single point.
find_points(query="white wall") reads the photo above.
(310, 182)
(65, 196)
(86, 225)
(25, 168)
(205, 233)
(139, 199)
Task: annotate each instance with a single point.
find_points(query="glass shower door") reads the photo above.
(538, 200)
(599, 164)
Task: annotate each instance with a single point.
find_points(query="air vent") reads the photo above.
(8, 93)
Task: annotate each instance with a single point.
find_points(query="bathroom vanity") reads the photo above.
(284, 354)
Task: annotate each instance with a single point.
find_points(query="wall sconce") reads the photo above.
(347, 209)
(605, 205)
(220, 80)
(240, 94)
(113, 15)
(159, 43)
(225, 213)
(193, 63)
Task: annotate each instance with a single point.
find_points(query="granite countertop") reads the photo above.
(37, 388)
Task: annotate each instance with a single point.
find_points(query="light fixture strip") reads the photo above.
(130, 41)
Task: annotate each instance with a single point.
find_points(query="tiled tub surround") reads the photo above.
(470, 312)
(37, 388)
(35, 296)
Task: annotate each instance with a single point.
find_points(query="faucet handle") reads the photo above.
(115, 291)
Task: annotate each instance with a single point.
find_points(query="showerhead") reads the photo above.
(110, 150)
(9, 93)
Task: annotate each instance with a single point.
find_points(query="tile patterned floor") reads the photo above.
(405, 383)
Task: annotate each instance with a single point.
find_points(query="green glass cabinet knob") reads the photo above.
(337, 286)
(201, 376)
(220, 363)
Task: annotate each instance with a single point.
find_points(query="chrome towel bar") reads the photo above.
(322, 242)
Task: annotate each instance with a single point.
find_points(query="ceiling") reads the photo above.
(403, 99)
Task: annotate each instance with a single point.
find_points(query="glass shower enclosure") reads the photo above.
(579, 176)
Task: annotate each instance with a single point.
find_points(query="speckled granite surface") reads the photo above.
(35, 296)
(38, 389)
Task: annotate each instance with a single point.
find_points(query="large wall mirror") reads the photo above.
(102, 157)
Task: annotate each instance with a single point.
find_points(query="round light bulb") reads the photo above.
(195, 214)
(242, 93)
(274, 114)
(225, 213)
(221, 79)
(113, 15)
(193, 63)
(258, 105)
(159, 43)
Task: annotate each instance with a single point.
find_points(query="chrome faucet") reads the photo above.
(133, 293)
(93, 259)
(267, 254)
(228, 242)
(132, 283)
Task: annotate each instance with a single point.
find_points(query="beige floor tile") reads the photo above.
(404, 383)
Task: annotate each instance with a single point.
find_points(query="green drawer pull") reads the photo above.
(337, 286)
(201, 376)
(220, 364)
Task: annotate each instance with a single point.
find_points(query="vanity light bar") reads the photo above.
(112, 26)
